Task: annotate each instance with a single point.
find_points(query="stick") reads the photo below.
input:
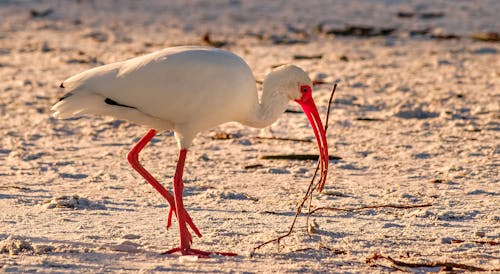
(447, 265)
(293, 111)
(336, 251)
(368, 207)
(284, 139)
(330, 103)
(456, 241)
(303, 57)
(303, 157)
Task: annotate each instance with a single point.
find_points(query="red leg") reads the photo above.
(185, 246)
(133, 159)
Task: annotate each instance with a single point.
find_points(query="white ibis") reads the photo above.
(187, 90)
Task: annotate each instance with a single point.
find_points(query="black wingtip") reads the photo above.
(115, 103)
(62, 85)
(65, 96)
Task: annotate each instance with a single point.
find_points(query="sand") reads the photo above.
(415, 121)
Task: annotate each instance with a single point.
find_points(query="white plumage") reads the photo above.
(187, 90)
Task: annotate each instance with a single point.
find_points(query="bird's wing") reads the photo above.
(178, 85)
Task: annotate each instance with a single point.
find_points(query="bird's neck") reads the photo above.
(272, 104)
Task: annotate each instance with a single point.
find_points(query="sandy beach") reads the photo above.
(414, 127)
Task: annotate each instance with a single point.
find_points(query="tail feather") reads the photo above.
(77, 103)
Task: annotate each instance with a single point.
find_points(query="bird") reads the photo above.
(188, 89)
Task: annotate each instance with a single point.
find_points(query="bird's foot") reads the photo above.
(197, 252)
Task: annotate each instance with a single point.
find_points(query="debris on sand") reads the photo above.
(486, 36)
(300, 157)
(405, 14)
(431, 15)
(41, 13)
(73, 202)
(207, 39)
(356, 30)
(306, 57)
(15, 245)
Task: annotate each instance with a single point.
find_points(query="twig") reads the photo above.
(293, 111)
(254, 166)
(486, 36)
(302, 157)
(309, 214)
(271, 212)
(368, 207)
(15, 187)
(309, 191)
(336, 251)
(297, 213)
(368, 119)
(284, 139)
(447, 265)
(330, 103)
(302, 57)
(457, 241)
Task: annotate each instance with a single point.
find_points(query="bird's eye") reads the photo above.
(303, 89)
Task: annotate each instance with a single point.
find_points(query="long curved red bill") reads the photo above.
(307, 104)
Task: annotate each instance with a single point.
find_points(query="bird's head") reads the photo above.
(287, 80)
(295, 83)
